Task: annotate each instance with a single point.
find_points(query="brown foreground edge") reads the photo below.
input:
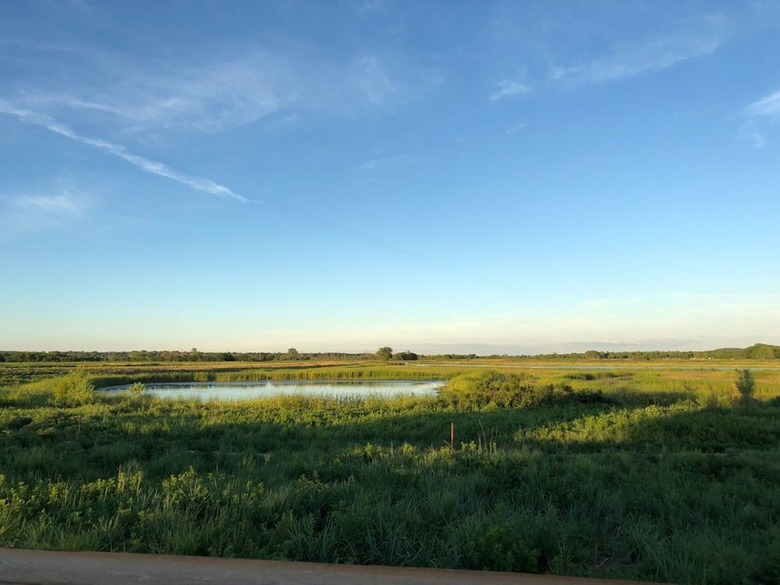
(33, 567)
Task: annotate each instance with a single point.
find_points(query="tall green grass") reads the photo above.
(635, 474)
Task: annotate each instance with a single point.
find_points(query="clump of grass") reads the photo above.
(502, 390)
(75, 389)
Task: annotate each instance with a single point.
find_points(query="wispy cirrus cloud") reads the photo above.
(174, 95)
(572, 51)
(371, 7)
(387, 162)
(768, 107)
(371, 79)
(227, 88)
(631, 59)
(119, 151)
(34, 212)
(509, 88)
(755, 138)
(63, 206)
(371, 82)
(516, 128)
(757, 115)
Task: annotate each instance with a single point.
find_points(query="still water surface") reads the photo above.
(343, 390)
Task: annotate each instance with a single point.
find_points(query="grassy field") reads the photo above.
(631, 470)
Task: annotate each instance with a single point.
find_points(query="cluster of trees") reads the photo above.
(762, 351)
(386, 354)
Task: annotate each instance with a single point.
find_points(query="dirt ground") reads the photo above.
(29, 567)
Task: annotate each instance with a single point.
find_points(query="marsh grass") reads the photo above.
(645, 474)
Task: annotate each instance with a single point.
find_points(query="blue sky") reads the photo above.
(520, 177)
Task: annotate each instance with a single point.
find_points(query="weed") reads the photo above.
(746, 386)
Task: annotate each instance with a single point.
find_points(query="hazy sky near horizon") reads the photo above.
(492, 176)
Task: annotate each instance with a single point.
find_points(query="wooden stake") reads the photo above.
(452, 436)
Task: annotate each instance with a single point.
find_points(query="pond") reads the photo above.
(341, 390)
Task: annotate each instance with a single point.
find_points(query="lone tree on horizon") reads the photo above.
(384, 353)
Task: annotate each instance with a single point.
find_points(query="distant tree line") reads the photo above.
(762, 351)
(146, 356)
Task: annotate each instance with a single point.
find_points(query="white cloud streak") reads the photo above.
(757, 115)
(145, 164)
(62, 205)
(371, 7)
(568, 56)
(177, 95)
(508, 88)
(516, 129)
(388, 162)
(30, 213)
(755, 138)
(766, 107)
(224, 90)
(629, 60)
(373, 81)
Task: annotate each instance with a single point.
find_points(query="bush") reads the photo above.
(499, 390)
(74, 389)
(497, 547)
(746, 385)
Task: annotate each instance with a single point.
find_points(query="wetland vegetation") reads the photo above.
(666, 474)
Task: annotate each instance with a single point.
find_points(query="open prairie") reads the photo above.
(651, 470)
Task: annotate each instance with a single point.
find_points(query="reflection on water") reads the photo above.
(342, 390)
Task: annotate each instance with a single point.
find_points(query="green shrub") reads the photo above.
(496, 546)
(74, 389)
(498, 390)
(746, 385)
